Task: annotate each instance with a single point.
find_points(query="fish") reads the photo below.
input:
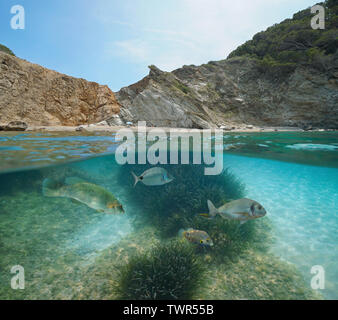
(242, 210)
(92, 195)
(196, 236)
(153, 177)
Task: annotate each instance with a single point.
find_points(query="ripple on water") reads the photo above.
(314, 147)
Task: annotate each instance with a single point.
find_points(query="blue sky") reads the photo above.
(112, 42)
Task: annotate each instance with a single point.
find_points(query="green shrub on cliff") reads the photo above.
(6, 50)
(293, 41)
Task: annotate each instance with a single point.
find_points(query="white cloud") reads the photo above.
(134, 49)
(199, 31)
(147, 53)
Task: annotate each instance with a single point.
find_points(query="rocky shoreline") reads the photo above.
(213, 95)
(107, 128)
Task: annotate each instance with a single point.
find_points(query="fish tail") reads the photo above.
(212, 209)
(49, 188)
(135, 177)
(181, 233)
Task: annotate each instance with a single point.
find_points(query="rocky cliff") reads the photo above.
(234, 91)
(38, 96)
(285, 76)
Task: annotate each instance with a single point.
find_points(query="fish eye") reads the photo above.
(201, 241)
(259, 207)
(141, 178)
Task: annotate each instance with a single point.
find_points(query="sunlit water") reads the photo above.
(295, 177)
(302, 202)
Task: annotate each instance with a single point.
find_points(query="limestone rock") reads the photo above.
(42, 97)
(234, 91)
(115, 120)
(16, 126)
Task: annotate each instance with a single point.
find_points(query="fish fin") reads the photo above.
(75, 201)
(135, 177)
(212, 209)
(73, 180)
(205, 215)
(252, 210)
(49, 188)
(171, 178)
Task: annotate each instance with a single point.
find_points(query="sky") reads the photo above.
(113, 42)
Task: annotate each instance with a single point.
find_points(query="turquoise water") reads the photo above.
(69, 250)
(302, 203)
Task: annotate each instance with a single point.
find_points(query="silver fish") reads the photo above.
(153, 177)
(94, 196)
(241, 209)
